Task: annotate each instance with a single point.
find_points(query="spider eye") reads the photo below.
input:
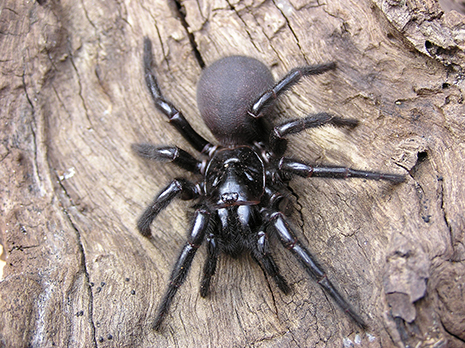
(248, 175)
(216, 181)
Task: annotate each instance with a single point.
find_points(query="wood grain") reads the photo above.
(73, 100)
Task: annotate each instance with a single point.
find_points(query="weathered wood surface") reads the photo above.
(73, 100)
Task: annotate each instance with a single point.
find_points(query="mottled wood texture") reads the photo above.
(73, 100)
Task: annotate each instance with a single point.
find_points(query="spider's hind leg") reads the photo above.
(171, 154)
(292, 78)
(175, 117)
(277, 139)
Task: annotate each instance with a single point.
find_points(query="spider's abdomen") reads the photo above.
(226, 91)
(235, 176)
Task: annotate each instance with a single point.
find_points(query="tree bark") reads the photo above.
(73, 100)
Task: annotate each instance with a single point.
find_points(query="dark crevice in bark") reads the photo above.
(181, 13)
(32, 127)
(83, 264)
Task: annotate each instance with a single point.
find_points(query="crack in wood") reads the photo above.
(83, 265)
(181, 12)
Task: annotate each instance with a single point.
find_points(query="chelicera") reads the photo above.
(242, 189)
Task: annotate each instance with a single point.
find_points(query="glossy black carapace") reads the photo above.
(242, 190)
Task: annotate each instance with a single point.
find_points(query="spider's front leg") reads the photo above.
(178, 275)
(261, 252)
(178, 187)
(278, 145)
(210, 264)
(305, 170)
(279, 224)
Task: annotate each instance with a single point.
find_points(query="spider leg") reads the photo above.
(210, 265)
(290, 242)
(278, 143)
(292, 78)
(172, 154)
(175, 117)
(261, 252)
(305, 170)
(177, 187)
(182, 266)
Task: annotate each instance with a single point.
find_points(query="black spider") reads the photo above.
(241, 196)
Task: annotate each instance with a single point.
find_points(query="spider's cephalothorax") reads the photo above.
(240, 198)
